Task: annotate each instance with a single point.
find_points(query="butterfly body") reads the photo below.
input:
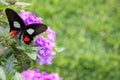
(18, 27)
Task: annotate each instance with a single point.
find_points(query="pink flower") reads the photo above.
(35, 74)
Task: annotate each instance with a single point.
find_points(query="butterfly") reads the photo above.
(18, 27)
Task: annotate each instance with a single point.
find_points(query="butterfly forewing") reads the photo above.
(15, 22)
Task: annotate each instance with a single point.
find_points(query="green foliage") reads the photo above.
(83, 26)
(10, 76)
(86, 66)
(2, 74)
(29, 50)
(88, 30)
(14, 54)
(8, 66)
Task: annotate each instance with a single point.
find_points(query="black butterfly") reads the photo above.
(18, 27)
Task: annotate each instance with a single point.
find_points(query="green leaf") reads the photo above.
(6, 50)
(18, 76)
(10, 76)
(2, 74)
(21, 47)
(59, 49)
(3, 30)
(32, 55)
(9, 65)
(35, 48)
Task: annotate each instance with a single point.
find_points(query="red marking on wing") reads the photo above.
(26, 39)
(13, 32)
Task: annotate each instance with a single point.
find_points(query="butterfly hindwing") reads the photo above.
(27, 38)
(35, 29)
(15, 22)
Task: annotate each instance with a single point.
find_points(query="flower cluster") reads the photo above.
(35, 74)
(29, 18)
(45, 45)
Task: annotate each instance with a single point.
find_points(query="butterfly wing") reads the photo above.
(15, 22)
(17, 25)
(27, 38)
(33, 30)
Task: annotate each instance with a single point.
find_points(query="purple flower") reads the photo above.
(31, 74)
(29, 18)
(51, 35)
(45, 45)
(36, 75)
(45, 51)
(43, 60)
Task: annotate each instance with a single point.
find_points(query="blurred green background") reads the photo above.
(89, 30)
